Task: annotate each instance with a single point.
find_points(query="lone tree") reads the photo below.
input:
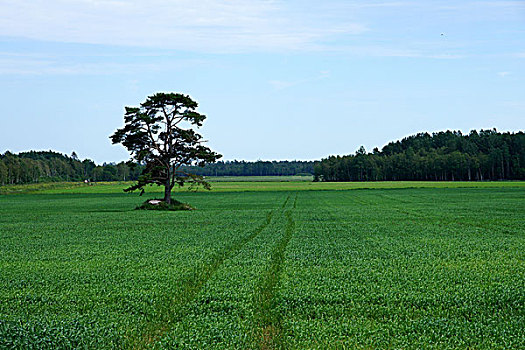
(159, 135)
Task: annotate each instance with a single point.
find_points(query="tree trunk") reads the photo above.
(167, 188)
(167, 194)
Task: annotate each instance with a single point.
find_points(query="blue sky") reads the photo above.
(277, 79)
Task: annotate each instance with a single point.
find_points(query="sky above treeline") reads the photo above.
(277, 79)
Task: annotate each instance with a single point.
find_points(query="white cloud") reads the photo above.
(36, 64)
(513, 5)
(208, 25)
(503, 74)
(393, 51)
(284, 84)
(233, 26)
(281, 84)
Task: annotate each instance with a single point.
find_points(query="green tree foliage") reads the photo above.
(160, 135)
(3, 173)
(257, 168)
(483, 155)
(48, 166)
(442, 156)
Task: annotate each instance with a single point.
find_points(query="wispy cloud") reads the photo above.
(210, 25)
(365, 28)
(284, 84)
(401, 51)
(513, 5)
(35, 64)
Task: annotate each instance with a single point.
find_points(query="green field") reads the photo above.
(294, 178)
(252, 183)
(265, 265)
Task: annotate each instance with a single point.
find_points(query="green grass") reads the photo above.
(39, 187)
(265, 265)
(245, 184)
(294, 178)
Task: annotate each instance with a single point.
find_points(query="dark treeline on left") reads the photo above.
(48, 166)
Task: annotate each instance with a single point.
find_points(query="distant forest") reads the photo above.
(258, 168)
(441, 156)
(49, 166)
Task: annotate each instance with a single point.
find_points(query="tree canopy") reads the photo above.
(160, 135)
(446, 155)
(441, 156)
(49, 166)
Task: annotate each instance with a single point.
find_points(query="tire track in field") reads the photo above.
(267, 332)
(286, 202)
(171, 310)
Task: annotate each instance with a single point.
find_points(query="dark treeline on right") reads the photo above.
(441, 156)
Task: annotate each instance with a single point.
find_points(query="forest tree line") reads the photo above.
(441, 156)
(257, 168)
(49, 166)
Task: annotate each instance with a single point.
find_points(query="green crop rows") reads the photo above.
(285, 266)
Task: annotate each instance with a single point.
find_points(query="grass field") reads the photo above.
(294, 178)
(250, 184)
(265, 265)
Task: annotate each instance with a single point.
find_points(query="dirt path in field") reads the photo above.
(267, 330)
(171, 310)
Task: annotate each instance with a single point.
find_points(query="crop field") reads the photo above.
(250, 184)
(264, 265)
(293, 178)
